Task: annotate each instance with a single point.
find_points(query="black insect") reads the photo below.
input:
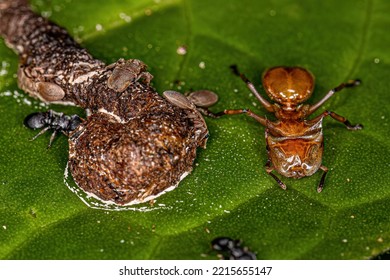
(232, 249)
(58, 122)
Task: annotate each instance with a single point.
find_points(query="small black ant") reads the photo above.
(232, 249)
(58, 122)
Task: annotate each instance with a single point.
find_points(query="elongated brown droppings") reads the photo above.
(135, 144)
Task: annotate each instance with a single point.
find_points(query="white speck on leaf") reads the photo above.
(181, 50)
(125, 17)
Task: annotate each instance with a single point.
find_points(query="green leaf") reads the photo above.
(229, 192)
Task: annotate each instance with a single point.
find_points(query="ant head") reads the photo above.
(288, 86)
(35, 120)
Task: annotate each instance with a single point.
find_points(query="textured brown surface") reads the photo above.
(135, 144)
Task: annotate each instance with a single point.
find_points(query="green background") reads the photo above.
(229, 192)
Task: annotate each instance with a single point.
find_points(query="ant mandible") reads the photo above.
(294, 144)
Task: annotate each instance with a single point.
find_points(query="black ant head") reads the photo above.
(35, 120)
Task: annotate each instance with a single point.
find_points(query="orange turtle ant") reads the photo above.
(294, 143)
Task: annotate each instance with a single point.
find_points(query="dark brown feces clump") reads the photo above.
(134, 144)
(135, 160)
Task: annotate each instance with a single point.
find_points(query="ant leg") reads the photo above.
(206, 112)
(344, 121)
(269, 169)
(40, 133)
(339, 118)
(248, 112)
(321, 184)
(252, 88)
(350, 83)
(53, 135)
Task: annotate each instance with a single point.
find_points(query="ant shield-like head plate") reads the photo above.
(288, 85)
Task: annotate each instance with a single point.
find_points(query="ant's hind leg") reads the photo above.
(269, 169)
(322, 181)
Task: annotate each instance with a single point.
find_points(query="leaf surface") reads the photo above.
(229, 192)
